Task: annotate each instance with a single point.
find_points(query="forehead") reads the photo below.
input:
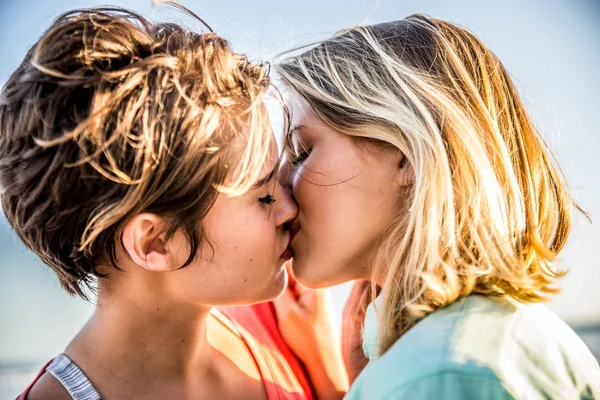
(268, 173)
(246, 145)
(305, 125)
(303, 120)
(272, 158)
(300, 110)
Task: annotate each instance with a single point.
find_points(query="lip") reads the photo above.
(287, 254)
(293, 227)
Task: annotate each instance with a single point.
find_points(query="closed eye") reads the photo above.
(297, 160)
(267, 199)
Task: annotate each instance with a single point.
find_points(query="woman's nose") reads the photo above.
(287, 206)
(286, 174)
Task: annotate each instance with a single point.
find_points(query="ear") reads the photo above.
(144, 242)
(406, 175)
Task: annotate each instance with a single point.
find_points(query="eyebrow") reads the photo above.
(290, 134)
(296, 128)
(264, 181)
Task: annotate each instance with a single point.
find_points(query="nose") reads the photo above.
(286, 174)
(287, 208)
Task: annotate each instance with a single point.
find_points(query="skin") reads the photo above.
(347, 194)
(348, 191)
(305, 323)
(152, 335)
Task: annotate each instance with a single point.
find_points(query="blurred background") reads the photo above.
(551, 48)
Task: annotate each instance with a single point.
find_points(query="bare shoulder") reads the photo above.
(48, 387)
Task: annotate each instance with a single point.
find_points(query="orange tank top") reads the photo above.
(282, 373)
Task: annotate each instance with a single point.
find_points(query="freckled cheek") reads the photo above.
(264, 238)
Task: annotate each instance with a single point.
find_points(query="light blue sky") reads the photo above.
(549, 46)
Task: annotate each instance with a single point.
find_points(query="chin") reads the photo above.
(313, 278)
(278, 284)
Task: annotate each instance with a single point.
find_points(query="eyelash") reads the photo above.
(268, 199)
(300, 158)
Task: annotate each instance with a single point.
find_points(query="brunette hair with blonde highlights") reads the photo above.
(488, 210)
(110, 115)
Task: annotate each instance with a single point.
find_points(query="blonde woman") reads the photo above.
(415, 166)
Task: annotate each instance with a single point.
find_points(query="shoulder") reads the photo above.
(443, 382)
(48, 387)
(442, 350)
(426, 348)
(426, 363)
(480, 346)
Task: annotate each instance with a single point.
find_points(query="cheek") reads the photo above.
(340, 227)
(312, 182)
(254, 241)
(306, 194)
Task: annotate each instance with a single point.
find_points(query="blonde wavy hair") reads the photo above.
(488, 210)
(110, 115)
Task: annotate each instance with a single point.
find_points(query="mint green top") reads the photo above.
(480, 348)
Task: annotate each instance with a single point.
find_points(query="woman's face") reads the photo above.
(241, 260)
(347, 194)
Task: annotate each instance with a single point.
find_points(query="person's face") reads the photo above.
(241, 259)
(347, 194)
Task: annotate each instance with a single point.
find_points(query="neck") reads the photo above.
(144, 338)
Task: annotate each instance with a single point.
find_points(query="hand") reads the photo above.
(353, 322)
(305, 323)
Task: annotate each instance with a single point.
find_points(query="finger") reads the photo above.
(364, 301)
(357, 294)
(358, 289)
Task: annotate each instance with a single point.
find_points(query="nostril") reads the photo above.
(292, 225)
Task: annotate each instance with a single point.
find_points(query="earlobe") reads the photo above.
(144, 242)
